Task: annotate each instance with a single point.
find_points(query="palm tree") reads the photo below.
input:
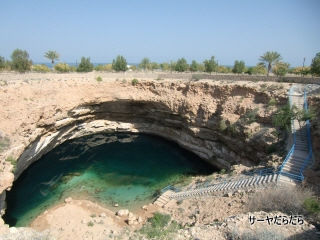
(52, 55)
(270, 58)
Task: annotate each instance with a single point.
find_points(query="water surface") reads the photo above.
(124, 169)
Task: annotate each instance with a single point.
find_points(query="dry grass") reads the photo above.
(287, 199)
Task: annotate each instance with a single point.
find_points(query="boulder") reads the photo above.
(123, 213)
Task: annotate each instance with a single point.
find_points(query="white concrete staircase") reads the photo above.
(163, 199)
(291, 169)
(245, 183)
(289, 173)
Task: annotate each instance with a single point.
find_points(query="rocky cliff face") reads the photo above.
(222, 122)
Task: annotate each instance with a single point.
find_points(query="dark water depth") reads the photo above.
(124, 169)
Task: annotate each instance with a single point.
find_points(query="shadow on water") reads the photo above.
(127, 169)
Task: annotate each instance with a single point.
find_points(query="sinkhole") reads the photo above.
(127, 169)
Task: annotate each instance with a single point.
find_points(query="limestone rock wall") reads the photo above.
(38, 116)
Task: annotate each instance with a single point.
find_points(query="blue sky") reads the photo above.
(162, 30)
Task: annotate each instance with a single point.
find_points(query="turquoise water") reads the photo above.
(124, 169)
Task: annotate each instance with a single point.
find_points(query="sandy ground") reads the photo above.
(83, 219)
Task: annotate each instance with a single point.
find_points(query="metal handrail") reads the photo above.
(307, 160)
(294, 136)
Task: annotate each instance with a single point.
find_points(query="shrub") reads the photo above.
(300, 70)
(165, 66)
(134, 82)
(223, 69)
(181, 65)
(272, 102)
(2, 63)
(210, 65)
(40, 68)
(100, 67)
(62, 67)
(280, 69)
(315, 65)
(145, 64)
(90, 224)
(159, 227)
(20, 61)
(250, 116)
(259, 69)
(312, 205)
(194, 67)
(85, 65)
(222, 125)
(239, 67)
(119, 64)
(99, 79)
(289, 200)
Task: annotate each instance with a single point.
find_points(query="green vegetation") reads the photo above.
(159, 227)
(239, 67)
(134, 82)
(90, 224)
(99, 79)
(181, 65)
(223, 69)
(106, 68)
(282, 118)
(40, 68)
(270, 59)
(315, 65)
(145, 64)
(272, 102)
(312, 205)
(52, 55)
(20, 61)
(258, 69)
(85, 65)
(222, 125)
(2, 63)
(280, 69)
(165, 66)
(250, 116)
(210, 65)
(194, 67)
(119, 64)
(300, 70)
(302, 115)
(63, 68)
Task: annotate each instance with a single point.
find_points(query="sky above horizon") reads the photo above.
(162, 30)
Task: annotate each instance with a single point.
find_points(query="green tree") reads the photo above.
(315, 65)
(239, 67)
(154, 65)
(165, 66)
(210, 65)
(173, 66)
(2, 63)
(280, 69)
(119, 64)
(20, 61)
(194, 67)
(258, 69)
(270, 59)
(85, 65)
(52, 55)
(145, 64)
(282, 118)
(181, 65)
